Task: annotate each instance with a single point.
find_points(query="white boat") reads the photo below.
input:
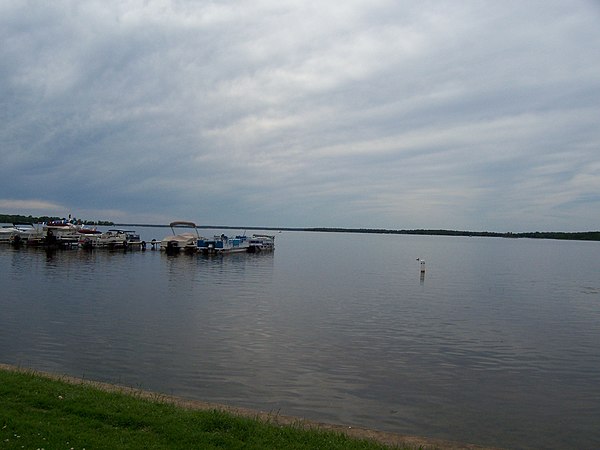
(64, 234)
(261, 243)
(59, 233)
(6, 233)
(18, 234)
(111, 239)
(223, 244)
(176, 243)
(239, 244)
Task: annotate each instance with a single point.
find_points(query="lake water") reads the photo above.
(497, 344)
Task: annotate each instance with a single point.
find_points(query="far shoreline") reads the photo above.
(556, 235)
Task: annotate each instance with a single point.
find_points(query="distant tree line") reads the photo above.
(576, 236)
(17, 218)
(579, 236)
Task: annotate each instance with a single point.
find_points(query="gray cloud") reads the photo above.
(361, 114)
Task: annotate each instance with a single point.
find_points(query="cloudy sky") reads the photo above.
(470, 115)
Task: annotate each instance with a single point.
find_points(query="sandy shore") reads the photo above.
(392, 439)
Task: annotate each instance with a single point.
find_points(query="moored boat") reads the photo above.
(6, 233)
(112, 239)
(19, 234)
(261, 243)
(223, 244)
(186, 242)
(239, 244)
(60, 234)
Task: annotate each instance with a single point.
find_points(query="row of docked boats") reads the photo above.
(64, 234)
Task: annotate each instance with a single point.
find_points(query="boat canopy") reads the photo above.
(182, 224)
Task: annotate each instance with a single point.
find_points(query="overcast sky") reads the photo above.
(470, 115)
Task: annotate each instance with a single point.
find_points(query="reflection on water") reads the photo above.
(497, 343)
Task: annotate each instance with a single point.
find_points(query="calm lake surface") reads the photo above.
(498, 344)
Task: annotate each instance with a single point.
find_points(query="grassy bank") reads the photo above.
(37, 412)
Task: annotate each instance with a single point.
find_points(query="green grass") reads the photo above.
(41, 413)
